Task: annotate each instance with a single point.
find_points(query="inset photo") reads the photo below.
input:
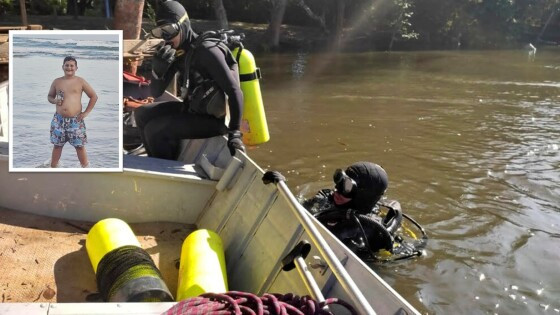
(65, 101)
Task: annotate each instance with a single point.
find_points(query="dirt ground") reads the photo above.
(48, 262)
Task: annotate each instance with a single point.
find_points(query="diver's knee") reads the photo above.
(141, 117)
(155, 131)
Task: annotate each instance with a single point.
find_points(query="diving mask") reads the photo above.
(344, 184)
(166, 32)
(169, 30)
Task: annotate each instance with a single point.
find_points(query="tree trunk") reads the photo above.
(312, 15)
(128, 18)
(82, 6)
(72, 8)
(276, 17)
(55, 13)
(339, 24)
(397, 29)
(221, 14)
(23, 12)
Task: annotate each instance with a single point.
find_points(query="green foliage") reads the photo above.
(198, 9)
(5, 6)
(480, 23)
(405, 11)
(149, 12)
(429, 24)
(45, 7)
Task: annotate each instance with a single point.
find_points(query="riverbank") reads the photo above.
(293, 38)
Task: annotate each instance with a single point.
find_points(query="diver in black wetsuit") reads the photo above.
(357, 192)
(352, 212)
(162, 125)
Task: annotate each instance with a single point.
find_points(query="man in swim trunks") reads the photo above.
(68, 121)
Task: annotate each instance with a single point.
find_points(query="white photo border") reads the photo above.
(10, 99)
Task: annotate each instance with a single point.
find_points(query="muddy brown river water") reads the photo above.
(470, 141)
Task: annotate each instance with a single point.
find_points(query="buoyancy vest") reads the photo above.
(202, 93)
(346, 223)
(206, 96)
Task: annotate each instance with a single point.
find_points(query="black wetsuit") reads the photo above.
(163, 125)
(340, 221)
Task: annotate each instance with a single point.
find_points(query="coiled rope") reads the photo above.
(122, 265)
(235, 302)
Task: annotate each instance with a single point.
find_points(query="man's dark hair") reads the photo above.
(70, 58)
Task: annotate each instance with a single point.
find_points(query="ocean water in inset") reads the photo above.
(37, 61)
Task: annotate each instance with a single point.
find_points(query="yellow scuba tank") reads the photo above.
(253, 121)
(107, 235)
(123, 270)
(203, 265)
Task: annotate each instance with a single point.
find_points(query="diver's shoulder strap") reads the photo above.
(206, 37)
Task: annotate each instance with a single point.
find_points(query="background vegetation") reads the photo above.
(361, 24)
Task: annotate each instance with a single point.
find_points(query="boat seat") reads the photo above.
(212, 154)
(161, 167)
(201, 159)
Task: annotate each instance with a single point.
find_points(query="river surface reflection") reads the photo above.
(470, 141)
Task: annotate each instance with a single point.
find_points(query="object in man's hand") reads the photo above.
(59, 96)
(163, 59)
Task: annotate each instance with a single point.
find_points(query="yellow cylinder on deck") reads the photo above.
(107, 235)
(203, 265)
(253, 121)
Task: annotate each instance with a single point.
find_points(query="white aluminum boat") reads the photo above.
(44, 219)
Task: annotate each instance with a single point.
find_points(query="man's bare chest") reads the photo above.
(69, 88)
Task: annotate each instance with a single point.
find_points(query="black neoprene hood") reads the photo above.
(172, 12)
(371, 180)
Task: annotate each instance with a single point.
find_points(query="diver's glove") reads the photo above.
(234, 142)
(162, 60)
(273, 177)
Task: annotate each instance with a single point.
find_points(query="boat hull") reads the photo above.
(206, 188)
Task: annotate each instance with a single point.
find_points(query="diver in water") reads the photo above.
(355, 214)
(208, 72)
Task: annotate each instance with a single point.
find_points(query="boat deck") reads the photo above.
(32, 247)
